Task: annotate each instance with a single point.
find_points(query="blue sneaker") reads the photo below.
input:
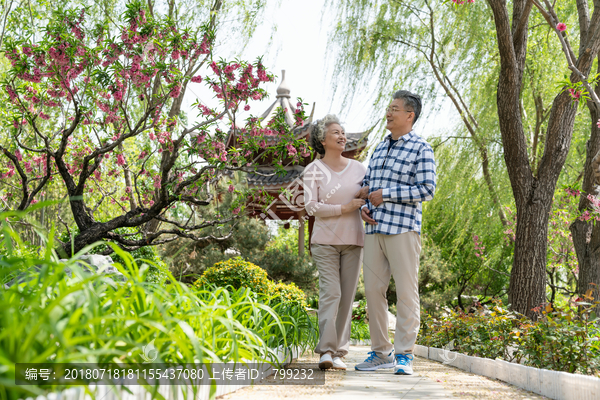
(374, 362)
(403, 364)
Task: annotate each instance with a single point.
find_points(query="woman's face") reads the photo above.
(335, 138)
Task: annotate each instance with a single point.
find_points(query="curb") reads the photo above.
(553, 384)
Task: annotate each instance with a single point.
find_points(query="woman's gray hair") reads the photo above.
(319, 131)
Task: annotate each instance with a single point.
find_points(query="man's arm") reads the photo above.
(425, 182)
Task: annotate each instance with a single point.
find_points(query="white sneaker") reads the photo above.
(338, 363)
(325, 362)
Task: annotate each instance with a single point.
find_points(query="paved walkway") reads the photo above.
(383, 384)
(432, 380)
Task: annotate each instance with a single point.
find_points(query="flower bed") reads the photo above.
(563, 339)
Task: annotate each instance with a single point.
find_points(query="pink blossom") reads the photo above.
(176, 91)
(585, 216)
(120, 160)
(291, 150)
(574, 94)
(561, 27)
(246, 107)
(18, 155)
(196, 79)
(236, 210)
(118, 95)
(594, 200)
(598, 123)
(230, 189)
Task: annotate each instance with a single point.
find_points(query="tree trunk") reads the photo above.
(586, 239)
(586, 234)
(528, 278)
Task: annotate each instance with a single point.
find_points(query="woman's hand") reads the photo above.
(353, 205)
(362, 193)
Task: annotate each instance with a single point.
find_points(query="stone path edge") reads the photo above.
(553, 384)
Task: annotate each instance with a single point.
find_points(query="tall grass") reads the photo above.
(51, 317)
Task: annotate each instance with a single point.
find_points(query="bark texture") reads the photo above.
(586, 234)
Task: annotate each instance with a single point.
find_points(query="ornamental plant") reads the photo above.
(95, 114)
(237, 273)
(561, 339)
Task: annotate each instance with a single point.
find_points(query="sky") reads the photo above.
(299, 46)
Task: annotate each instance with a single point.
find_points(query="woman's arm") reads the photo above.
(312, 203)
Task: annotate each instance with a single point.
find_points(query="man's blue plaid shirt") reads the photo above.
(407, 176)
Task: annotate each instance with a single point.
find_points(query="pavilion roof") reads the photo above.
(267, 178)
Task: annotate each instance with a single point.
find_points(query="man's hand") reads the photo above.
(362, 193)
(364, 214)
(376, 198)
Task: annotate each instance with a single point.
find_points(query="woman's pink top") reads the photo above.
(325, 191)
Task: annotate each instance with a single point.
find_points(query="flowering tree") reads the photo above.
(100, 115)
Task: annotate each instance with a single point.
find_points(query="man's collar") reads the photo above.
(403, 137)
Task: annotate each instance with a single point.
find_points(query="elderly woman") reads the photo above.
(332, 186)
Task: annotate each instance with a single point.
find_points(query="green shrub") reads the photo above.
(284, 264)
(359, 314)
(289, 292)
(359, 330)
(238, 273)
(562, 339)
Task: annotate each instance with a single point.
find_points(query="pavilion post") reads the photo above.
(301, 233)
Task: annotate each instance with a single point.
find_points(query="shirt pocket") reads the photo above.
(403, 170)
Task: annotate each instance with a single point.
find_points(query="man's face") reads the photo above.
(398, 118)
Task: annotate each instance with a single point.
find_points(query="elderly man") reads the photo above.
(400, 176)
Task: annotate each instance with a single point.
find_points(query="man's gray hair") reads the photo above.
(319, 131)
(411, 101)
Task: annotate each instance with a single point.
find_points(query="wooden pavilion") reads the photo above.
(284, 209)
